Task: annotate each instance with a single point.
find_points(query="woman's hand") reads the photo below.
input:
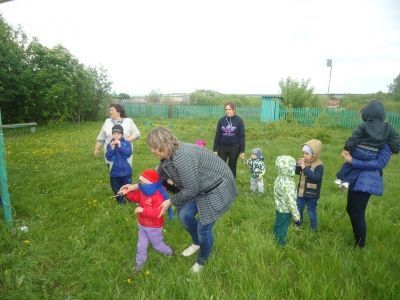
(347, 156)
(96, 151)
(164, 207)
(125, 189)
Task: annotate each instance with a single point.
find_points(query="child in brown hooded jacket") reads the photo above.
(311, 170)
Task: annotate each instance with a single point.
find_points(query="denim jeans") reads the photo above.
(347, 173)
(311, 204)
(202, 235)
(116, 183)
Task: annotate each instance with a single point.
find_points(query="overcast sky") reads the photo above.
(224, 45)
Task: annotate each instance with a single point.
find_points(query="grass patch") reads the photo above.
(81, 245)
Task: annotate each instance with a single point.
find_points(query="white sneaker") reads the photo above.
(196, 268)
(192, 249)
(338, 182)
(345, 185)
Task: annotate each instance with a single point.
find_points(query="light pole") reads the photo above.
(329, 64)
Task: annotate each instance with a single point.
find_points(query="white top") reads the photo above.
(130, 130)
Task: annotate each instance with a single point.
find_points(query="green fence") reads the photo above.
(330, 117)
(267, 113)
(184, 111)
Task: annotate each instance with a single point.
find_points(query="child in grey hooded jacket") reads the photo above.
(285, 197)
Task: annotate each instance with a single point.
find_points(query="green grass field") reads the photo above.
(81, 245)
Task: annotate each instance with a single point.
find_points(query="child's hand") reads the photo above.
(301, 162)
(242, 157)
(138, 210)
(117, 143)
(347, 156)
(125, 189)
(170, 182)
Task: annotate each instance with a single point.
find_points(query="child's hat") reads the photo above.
(258, 153)
(149, 176)
(201, 143)
(117, 128)
(307, 149)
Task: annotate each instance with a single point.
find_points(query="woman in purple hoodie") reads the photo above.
(229, 141)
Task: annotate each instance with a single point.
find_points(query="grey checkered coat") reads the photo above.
(201, 176)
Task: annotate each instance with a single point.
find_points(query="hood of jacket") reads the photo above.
(373, 111)
(258, 153)
(316, 147)
(285, 165)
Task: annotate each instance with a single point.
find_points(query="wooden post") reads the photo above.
(5, 196)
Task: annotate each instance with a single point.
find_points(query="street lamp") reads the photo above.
(329, 64)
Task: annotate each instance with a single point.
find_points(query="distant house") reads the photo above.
(132, 100)
(179, 98)
(164, 98)
(333, 103)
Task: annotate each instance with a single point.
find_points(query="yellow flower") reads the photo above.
(147, 272)
(26, 242)
(130, 281)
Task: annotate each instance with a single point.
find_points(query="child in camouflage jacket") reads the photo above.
(257, 170)
(285, 197)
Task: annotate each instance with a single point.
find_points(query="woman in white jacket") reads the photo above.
(130, 134)
(117, 116)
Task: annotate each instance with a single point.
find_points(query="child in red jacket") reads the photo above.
(150, 195)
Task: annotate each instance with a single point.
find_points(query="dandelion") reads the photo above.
(147, 273)
(26, 242)
(130, 281)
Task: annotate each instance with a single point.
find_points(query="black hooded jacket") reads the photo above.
(374, 131)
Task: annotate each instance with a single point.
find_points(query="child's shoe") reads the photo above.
(338, 182)
(196, 268)
(192, 249)
(344, 185)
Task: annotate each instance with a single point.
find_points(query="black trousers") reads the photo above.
(230, 153)
(356, 205)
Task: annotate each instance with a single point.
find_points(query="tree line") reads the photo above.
(44, 85)
(41, 84)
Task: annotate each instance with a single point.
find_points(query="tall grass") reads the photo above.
(81, 245)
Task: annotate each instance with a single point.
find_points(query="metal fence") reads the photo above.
(184, 111)
(330, 117)
(267, 113)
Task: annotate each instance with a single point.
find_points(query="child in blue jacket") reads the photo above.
(117, 153)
